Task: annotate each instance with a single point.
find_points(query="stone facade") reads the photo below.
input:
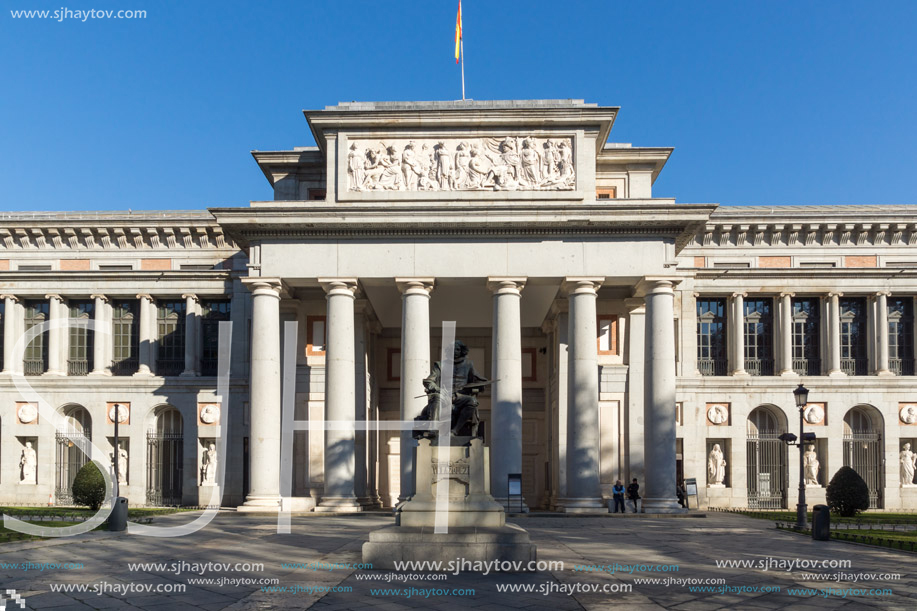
(563, 274)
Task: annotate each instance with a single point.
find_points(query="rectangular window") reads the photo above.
(116, 268)
(170, 323)
(608, 334)
(80, 355)
(125, 328)
(711, 336)
(34, 268)
(606, 193)
(212, 312)
(854, 359)
(315, 335)
(806, 326)
(731, 264)
(901, 335)
(817, 264)
(35, 360)
(759, 336)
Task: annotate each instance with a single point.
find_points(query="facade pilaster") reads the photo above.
(834, 335)
(147, 320)
(192, 320)
(785, 345)
(102, 337)
(737, 332)
(57, 361)
(882, 334)
(11, 324)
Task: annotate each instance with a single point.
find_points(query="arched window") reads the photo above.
(73, 450)
(863, 449)
(766, 459)
(164, 459)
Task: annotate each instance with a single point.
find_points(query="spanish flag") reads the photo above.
(458, 32)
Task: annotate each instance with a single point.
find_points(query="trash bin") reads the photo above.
(821, 523)
(117, 521)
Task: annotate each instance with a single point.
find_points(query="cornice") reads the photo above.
(103, 234)
(814, 233)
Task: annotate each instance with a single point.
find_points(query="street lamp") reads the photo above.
(801, 394)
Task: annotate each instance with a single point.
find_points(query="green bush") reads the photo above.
(89, 486)
(847, 493)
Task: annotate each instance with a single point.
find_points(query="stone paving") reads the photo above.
(694, 545)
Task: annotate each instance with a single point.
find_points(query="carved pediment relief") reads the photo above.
(507, 163)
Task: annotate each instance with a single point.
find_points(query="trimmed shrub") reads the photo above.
(847, 494)
(89, 486)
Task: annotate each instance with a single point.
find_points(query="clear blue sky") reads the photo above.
(798, 102)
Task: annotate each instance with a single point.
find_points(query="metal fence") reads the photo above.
(863, 453)
(766, 471)
(164, 468)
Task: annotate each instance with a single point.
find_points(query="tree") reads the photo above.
(89, 486)
(847, 493)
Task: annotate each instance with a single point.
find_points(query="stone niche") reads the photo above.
(451, 496)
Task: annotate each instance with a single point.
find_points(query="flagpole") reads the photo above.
(462, 53)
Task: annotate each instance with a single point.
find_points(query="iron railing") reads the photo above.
(766, 471)
(77, 367)
(208, 367)
(164, 469)
(72, 453)
(33, 367)
(863, 453)
(170, 367)
(712, 367)
(759, 367)
(855, 367)
(807, 367)
(901, 367)
(124, 368)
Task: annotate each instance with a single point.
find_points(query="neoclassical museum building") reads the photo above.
(627, 336)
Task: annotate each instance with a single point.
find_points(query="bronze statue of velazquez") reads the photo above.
(466, 384)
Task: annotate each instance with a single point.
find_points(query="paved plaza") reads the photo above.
(313, 568)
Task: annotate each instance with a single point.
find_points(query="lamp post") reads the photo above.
(801, 394)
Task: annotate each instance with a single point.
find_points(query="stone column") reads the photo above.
(340, 380)
(264, 402)
(584, 494)
(559, 328)
(659, 406)
(10, 335)
(101, 337)
(147, 319)
(737, 328)
(506, 401)
(192, 366)
(415, 366)
(834, 335)
(882, 334)
(785, 366)
(636, 350)
(57, 362)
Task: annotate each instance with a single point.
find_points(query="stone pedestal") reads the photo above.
(451, 496)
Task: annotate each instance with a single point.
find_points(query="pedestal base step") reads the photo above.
(391, 544)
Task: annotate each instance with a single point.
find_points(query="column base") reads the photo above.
(143, 374)
(99, 374)
(885, 373)
(260, 504)
(54, 373)
(837, 373)
(740, 374)
(789, 373)
(188, 374)
(590, 505)
(662, 506)
(298, 504)
(346, 504)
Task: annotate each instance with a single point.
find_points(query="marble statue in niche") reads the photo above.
(907, 460)
(27, 462)
(507, 163)
(209, 465)
(811, 465)
(716, 467)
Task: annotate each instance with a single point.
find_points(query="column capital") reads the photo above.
(883, 293)
(655, 284)
(347, 287)
(578, 285)
(506, 286)
(739, 294)
(54, 296)
(271, 287)
(191, 296)
(832, 294)
(785, 294)
(415, 286)
(13, 298)
(99, 296)
(145, 296)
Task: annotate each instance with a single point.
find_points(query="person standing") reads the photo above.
(633, 493)
(618, 494)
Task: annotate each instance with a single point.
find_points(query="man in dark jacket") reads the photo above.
(633, 493)
(618, 494)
